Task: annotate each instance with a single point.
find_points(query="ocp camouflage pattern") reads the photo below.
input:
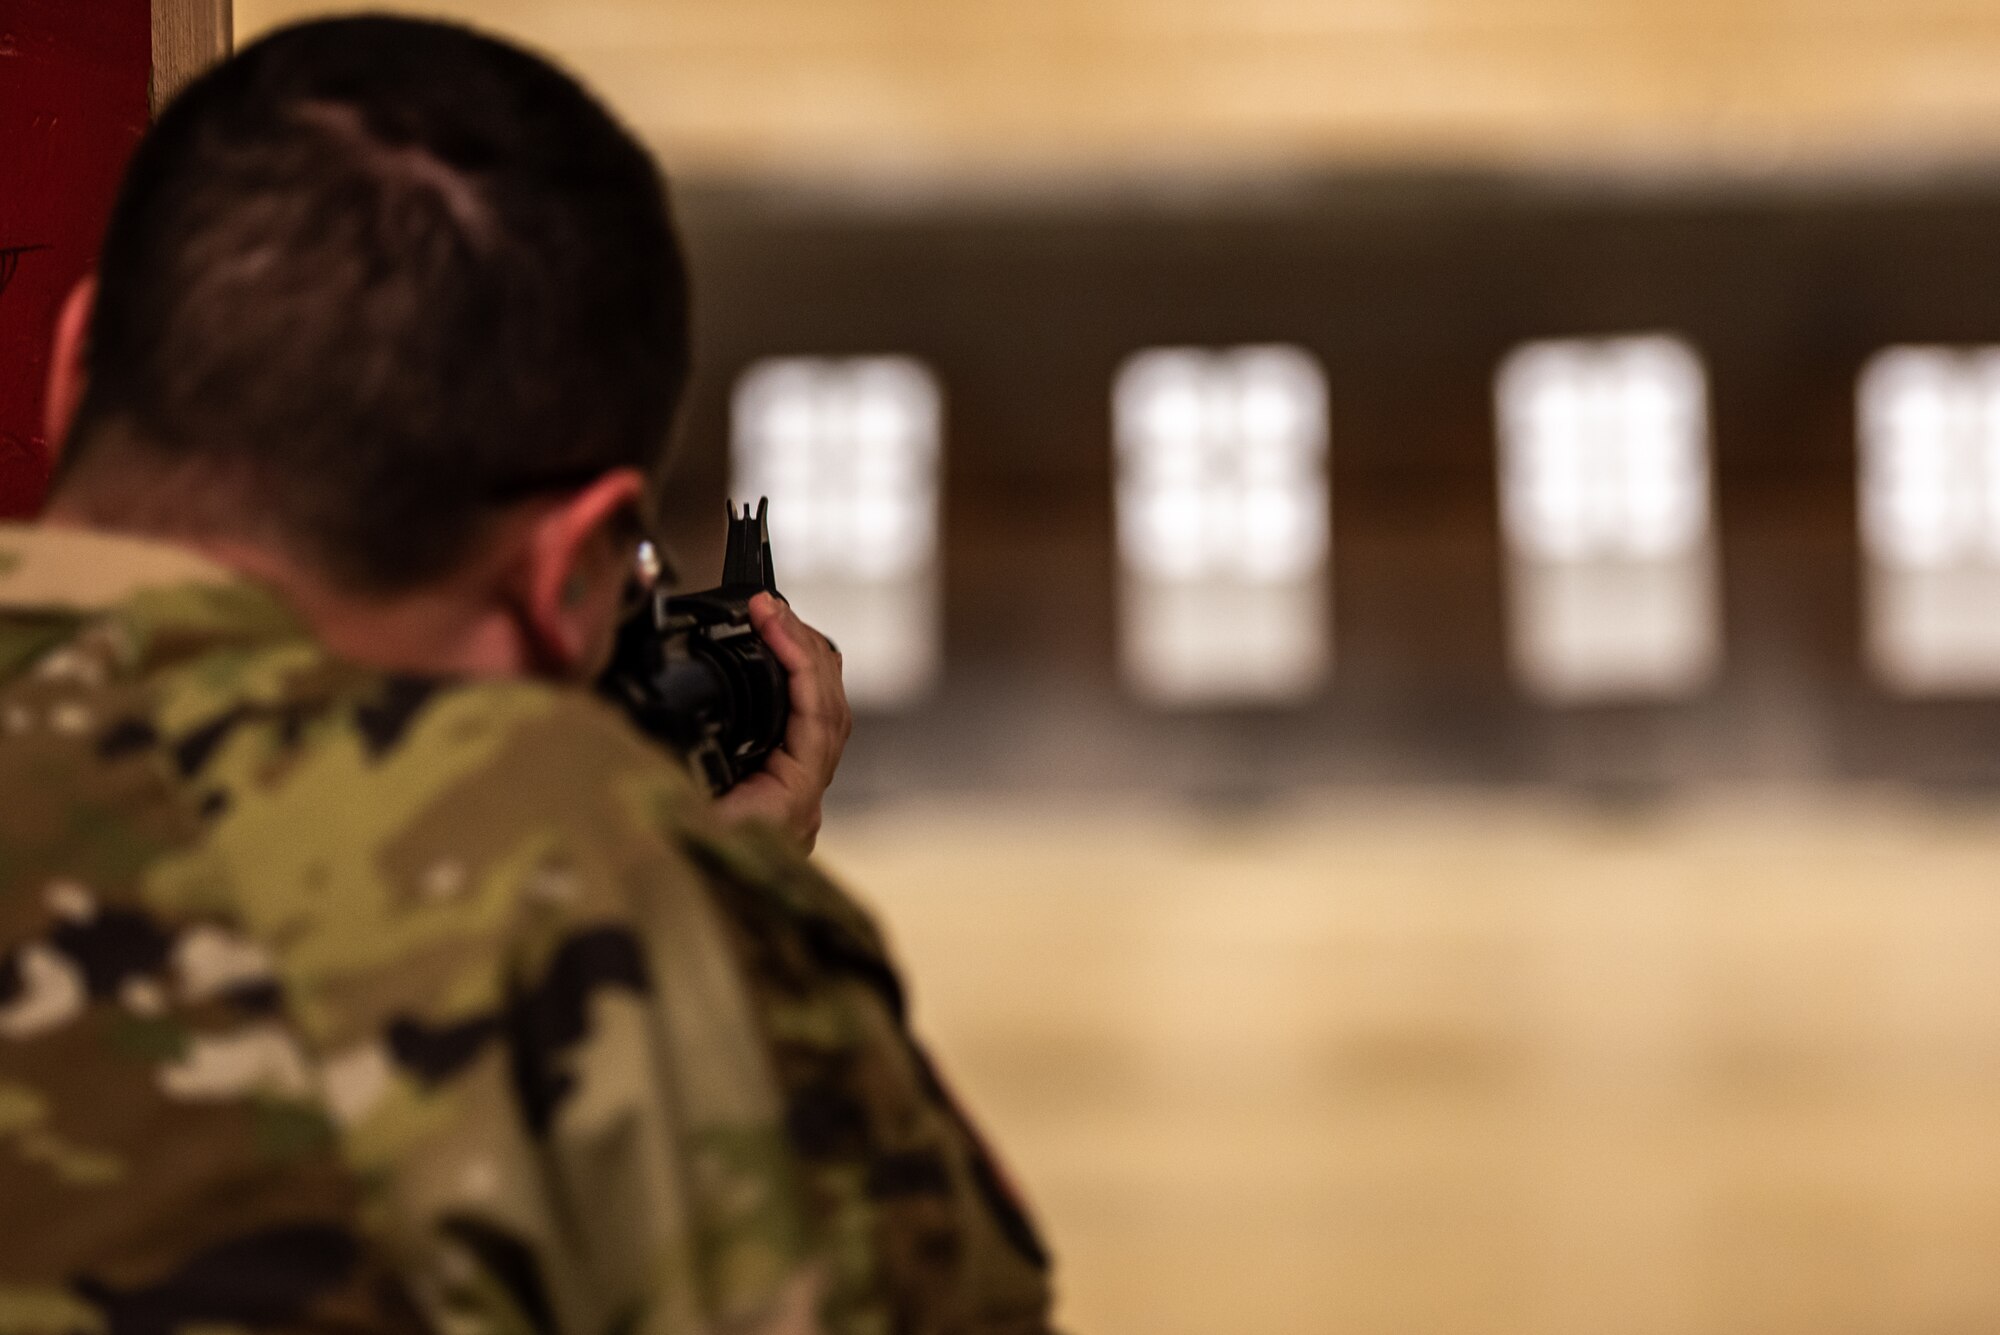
(332, 1000)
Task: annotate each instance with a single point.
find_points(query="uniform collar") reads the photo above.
(155, 598)
(45, 568)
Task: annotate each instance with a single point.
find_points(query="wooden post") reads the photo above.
(188, 37)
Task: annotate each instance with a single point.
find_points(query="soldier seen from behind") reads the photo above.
(359, 968)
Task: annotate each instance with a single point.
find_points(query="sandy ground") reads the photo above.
(1474, 1064)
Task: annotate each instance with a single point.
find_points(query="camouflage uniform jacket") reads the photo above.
(337, 1000)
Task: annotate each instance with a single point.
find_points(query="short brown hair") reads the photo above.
(370, 277)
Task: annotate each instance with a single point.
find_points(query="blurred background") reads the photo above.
(1423, 578)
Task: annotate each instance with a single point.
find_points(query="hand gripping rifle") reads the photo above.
(691, 670)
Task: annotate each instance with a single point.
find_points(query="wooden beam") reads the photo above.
(889, 89)
(188, 37)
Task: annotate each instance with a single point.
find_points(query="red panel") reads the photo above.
(73, 102)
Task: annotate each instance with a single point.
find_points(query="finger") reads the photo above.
(821, 721)
(784, 802)
(804, 652)
(812, 736)
(779, 626)
(790, 793)
(789, 789)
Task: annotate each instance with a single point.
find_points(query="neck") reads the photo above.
(457, 626)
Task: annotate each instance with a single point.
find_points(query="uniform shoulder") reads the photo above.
(542, 751)
(542, 732)
(401, 789)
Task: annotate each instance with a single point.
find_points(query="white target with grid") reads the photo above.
(1605, 507)
(1223, 524)
(1929, 422)
(849, 451)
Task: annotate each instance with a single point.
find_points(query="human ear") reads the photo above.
(573, 572)
(68, 377)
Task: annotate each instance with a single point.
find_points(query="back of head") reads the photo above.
(366, 281)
